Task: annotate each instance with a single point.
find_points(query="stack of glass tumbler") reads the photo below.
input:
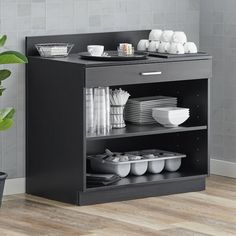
(104, 110)
(97, 111)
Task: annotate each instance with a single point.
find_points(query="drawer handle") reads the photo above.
(151, 73)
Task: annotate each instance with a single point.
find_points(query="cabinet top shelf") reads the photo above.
(109, 39)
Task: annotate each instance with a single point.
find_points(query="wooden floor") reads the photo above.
(212, 212)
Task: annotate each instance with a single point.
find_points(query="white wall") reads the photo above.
(218, 37)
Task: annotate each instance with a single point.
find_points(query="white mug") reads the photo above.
(164, 47)
(176, 48)
(155, 35)
(167, 36)
(143, 45)
(190, 47)
(153, 46)
(95, 50)
(179, 37)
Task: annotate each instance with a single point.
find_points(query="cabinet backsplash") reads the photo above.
(40, 17)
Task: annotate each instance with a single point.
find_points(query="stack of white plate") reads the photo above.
(170, 116)
(139, 110)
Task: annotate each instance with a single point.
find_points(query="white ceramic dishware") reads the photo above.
(167, 36)
(155, 35)
(95, 50)
(164, 47)
(139, 110)
(170, 116)
(143, 45)
(176, 48)
(179, 37)
(190, 47)
(153, 46)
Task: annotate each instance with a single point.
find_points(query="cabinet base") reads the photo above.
(139, 191)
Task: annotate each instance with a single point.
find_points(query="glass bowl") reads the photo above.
(54, 49)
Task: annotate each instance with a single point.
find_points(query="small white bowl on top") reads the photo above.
(170, 116)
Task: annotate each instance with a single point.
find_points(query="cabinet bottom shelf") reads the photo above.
(144, 186)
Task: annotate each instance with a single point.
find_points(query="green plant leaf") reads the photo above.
(1, 90)
(6, 124)
(3, 40)
(7, 113)
(12, 57)
(4, 74)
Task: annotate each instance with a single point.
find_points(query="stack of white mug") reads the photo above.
(167, 41)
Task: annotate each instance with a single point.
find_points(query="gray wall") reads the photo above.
(218, 36)
(19, 18)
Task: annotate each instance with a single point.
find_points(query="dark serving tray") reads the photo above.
(112, 56)
(167, 55)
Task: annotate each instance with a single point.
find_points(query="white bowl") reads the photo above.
(171, 121)
(179, 37)
(167, 35)
(165, 111)
(170, 117)
(155, 35)
(163, 47)
(190, 47)
(176, 48)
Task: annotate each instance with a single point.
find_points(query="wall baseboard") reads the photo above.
(223, 168)
(14, 186)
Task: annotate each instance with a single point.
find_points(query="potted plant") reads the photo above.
(6, 114)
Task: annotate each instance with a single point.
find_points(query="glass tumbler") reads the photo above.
(89, 111)
(108, 122)
(100, 111)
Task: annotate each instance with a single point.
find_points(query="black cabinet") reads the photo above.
(55, 126)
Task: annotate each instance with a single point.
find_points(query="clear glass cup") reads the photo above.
(125, 53)
(108, 122)
(100, 111)
(89, 111)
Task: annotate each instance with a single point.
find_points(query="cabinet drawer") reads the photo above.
(148, 73)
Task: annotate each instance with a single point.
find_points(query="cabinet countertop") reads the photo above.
(74, 58)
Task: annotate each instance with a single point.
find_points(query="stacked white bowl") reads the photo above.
(170, 116)
(167, 41)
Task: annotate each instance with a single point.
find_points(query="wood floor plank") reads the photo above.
(210, 212)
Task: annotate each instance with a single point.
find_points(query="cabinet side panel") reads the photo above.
(55, 133)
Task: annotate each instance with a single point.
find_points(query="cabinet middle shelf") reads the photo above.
(132, 130)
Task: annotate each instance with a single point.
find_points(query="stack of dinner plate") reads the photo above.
(139, 110)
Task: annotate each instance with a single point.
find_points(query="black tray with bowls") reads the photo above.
(113, 56)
